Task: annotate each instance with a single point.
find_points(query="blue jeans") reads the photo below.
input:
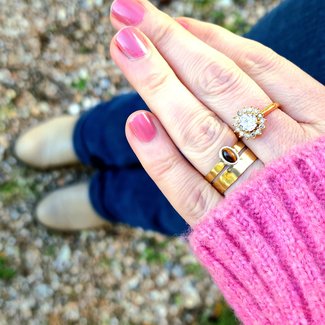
(121, 191)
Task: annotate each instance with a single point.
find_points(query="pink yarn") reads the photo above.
(264, 244)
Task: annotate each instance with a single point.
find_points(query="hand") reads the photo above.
(194, 80)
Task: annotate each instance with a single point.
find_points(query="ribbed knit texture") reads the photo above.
(264, 244)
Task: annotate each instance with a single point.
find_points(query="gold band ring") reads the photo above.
(250, 121)
(232, 164)
(231, 174)
(232, 153)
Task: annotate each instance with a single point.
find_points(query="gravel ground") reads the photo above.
(54, 59)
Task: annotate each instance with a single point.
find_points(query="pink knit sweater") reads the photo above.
(264, 244)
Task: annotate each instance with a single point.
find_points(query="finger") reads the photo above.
(184, 187)
(196, 130)
(210, 75)
(277, 76)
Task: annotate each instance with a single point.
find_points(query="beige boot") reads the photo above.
(48, 144)
(69, 209)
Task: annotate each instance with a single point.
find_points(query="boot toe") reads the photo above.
(68, 209)
(28, 149)
(48, 144)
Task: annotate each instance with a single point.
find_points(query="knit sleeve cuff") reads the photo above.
(264, 244)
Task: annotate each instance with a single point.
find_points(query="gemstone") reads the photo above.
(229, 155)
(258, 132)
(248, 122)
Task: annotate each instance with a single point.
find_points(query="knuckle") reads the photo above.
(196, 201)
(164, 32)
(162, 169)
(155, 81)
(216, 79)
(259, 59)
(201, 134)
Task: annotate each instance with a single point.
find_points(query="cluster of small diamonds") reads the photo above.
(249, 122)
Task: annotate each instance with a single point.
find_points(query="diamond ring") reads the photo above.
(250, 121)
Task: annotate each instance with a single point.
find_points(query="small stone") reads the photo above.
(63, 262)
(43, 291)
(258, 132)
(74, 109)
(83, 74)
(62, 14)
(71, 312)
(191, 297)
(32, 258)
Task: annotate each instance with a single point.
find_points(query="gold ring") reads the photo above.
(233, 162)
(231, 174)
(250, 121)
(228, 156)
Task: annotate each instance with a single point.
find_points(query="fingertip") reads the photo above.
(117, 25)
(130, 13)
(142, 126)
(132, 43)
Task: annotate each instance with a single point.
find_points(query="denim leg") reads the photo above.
(129, 196)
(296, 30)
(99, 135)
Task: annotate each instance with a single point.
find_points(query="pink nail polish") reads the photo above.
(143, 127)
(130, 41)
(129, 12)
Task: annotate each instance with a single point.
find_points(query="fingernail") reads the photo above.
(131, 43)
(129, 12)
(143, 127)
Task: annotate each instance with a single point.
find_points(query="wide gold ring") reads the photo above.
(233, 152)
(234, 161)
(250, 121)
